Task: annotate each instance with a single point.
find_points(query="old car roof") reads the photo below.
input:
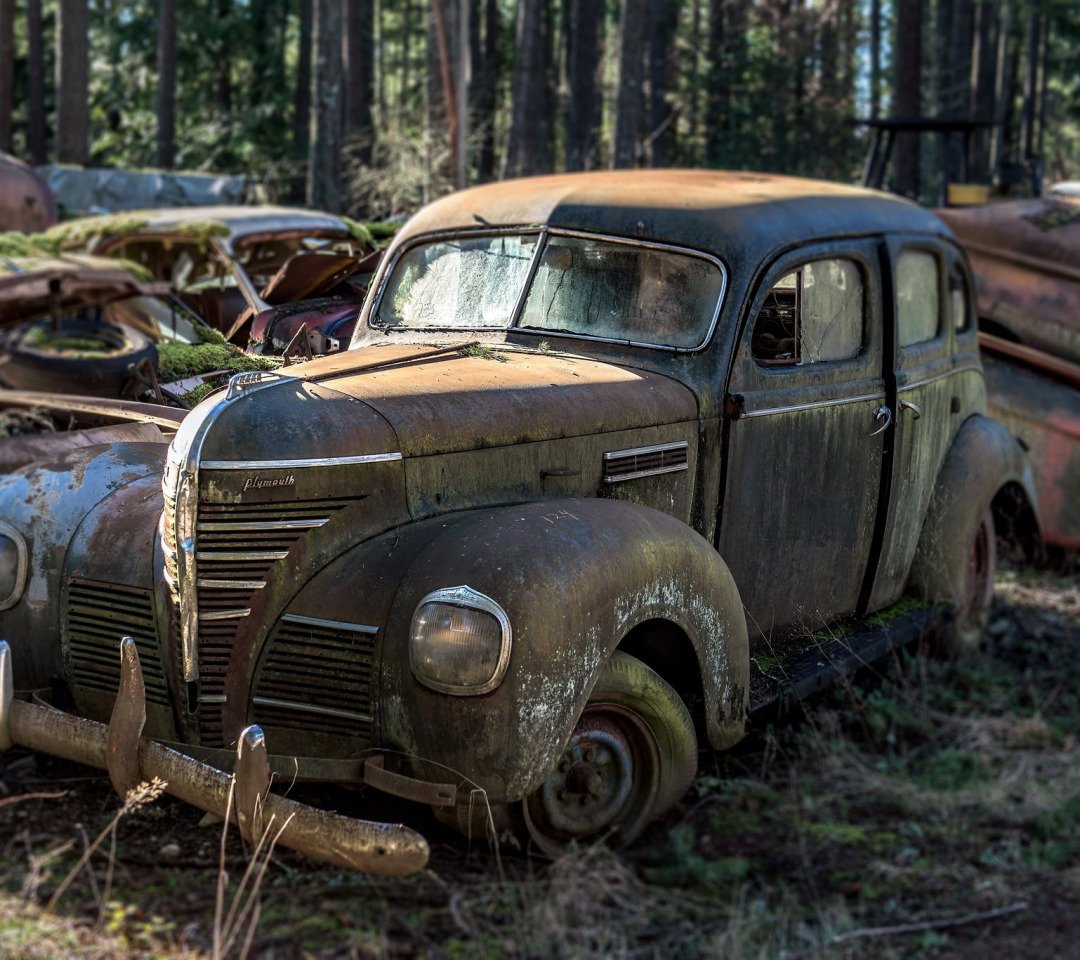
(710, 210)
(240, 220)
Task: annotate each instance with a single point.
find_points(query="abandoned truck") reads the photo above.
(597, 437)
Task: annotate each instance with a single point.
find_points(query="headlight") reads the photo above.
(12, 565)
(459, 642)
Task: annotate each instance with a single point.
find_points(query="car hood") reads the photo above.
(451, 399)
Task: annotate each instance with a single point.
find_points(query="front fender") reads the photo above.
(984, 458)
(574, 576)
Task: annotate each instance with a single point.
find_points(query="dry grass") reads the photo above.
(927, 795)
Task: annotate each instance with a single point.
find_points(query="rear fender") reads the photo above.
(574, 577)
(985, 466)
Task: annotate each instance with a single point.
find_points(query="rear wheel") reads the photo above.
(631, 756)
(975, 593)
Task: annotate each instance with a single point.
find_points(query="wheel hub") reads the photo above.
(591, 782)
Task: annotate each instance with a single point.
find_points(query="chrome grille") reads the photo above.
(236, 547)
(622, 465)
(316, 677)
(98, 615)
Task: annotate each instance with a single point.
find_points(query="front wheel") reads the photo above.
(975, 592)
(631, 756)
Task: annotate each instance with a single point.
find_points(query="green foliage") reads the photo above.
(177, 361)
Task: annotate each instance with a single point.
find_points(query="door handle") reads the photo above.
(913, 407)
(882, 412)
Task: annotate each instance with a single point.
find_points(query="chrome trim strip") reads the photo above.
(655, 472)
(367, 315)
(185, 452)
(235, 614)
(465, 596)
(242, 555)
(230, 584)
(639, 451)
(330, 624)
(298, 464)
(311, 708)
(225, 526)
(970, 368)
(811, 406)
(213, 698)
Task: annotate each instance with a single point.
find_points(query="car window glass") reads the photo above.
(917, 297)
(623, 291)
(959, 303)
(812, 315)
(466, 282)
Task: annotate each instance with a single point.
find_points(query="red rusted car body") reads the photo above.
(26, 203)
(1025, 256)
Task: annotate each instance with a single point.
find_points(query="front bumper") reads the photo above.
(242, 796)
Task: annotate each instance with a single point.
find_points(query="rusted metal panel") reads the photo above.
(1026, 258)
(26, 203)
(1045, 414)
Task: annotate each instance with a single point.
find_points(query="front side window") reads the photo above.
(959, 299)
(812, 315)
(918, 302)
(569, 285)
(467, 283)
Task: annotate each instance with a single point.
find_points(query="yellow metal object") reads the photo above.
(968, 194)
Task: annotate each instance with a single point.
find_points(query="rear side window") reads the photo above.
(812, 315)
(918, 300)
(959, 299)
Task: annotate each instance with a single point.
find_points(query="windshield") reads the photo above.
(581, 286)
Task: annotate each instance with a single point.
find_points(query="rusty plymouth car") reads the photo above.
(599, 439)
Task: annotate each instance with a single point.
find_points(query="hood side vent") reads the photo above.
(622, 465)
(98, 615)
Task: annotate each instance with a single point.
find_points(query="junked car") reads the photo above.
(598, 440)
(225, 260)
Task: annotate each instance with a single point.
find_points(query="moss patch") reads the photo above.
(179, 360)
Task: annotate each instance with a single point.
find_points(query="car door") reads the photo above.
(805, 429)
(930, 300)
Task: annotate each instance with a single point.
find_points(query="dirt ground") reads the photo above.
(925, 794)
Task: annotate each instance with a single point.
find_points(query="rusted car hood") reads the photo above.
(441, 401)
(1025, 256)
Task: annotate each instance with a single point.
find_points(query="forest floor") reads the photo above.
(927, 793)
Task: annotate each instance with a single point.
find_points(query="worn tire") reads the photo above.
(963, 631)
(26, 366)
(631, 699)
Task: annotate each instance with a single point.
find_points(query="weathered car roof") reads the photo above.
(711, 210)
(238, 221)
(242, 220)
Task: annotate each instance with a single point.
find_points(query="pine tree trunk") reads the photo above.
(484, 98)
(7, 73)
(72, 83)
(664, 18)
(324, 161)
(166, 92)
(522, 148)
(630, 100)
(359, 72)
(982, 102)
(224, 68)
(582, 62)
(302, 100)
(907, 99)
(35, 84)
(875, 58)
